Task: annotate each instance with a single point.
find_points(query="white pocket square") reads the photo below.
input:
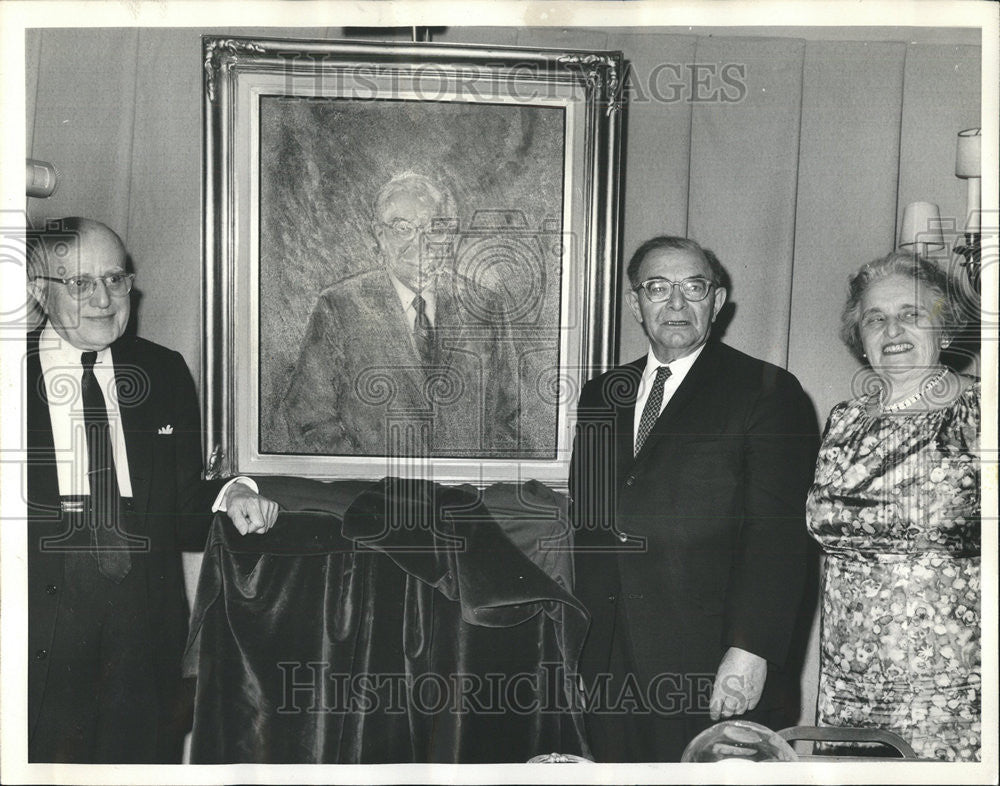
(165, 430)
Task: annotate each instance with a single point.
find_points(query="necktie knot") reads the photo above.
(88, 359)
(419, 305)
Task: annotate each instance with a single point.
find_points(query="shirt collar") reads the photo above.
(55, 351)
(406, 294)
(678, 368)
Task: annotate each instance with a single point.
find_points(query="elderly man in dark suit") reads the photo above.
(409, 358)
(114, 494)
(689, 475)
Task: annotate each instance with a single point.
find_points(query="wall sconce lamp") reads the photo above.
(968, 166)
(41, 179)
(920, 230)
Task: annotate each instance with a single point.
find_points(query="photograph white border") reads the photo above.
(16, 16)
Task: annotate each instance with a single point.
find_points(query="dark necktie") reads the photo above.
(651, 411)
(423, 332)
(106, 536)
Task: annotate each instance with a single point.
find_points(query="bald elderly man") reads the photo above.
(114, 495)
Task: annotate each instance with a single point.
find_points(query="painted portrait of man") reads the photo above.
(409, 299)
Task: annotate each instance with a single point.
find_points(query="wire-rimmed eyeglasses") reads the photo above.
(659, 289)
(82, 287)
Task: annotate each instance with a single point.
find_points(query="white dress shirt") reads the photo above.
(63, 375)
(406, 296)
(678, 370)
(62, 371)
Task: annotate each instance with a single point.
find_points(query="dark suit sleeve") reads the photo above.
(768, 574)
(309, 413)
(591, 475)
(194, 495)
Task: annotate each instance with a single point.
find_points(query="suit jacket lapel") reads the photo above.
(398, 347)
(625, 420)
(695, 381)
(44, 481)
(135, 404)
(402, 350)
(447, 324)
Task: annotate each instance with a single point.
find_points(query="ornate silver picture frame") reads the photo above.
(343, 179)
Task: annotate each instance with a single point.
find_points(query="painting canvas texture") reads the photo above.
(322, 164)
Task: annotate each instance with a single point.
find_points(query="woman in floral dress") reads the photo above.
(896, 508)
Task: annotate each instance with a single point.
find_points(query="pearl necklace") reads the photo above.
(930, 383)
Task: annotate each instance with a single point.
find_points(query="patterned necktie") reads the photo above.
(651, 411)
(106, 537)
(423, 332)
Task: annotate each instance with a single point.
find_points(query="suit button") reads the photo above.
(51, 589)
(630, 480)
(611, 598)
(41, 654)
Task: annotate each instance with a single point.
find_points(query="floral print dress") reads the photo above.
(896, 508)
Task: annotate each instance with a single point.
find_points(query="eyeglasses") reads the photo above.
(659, 289)
(407, 230)
(82, 287)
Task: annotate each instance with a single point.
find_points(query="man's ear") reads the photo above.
(720, 301)
(378, 232)
(632, 298)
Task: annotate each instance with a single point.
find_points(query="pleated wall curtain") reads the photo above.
(798, 183)
(794, 183)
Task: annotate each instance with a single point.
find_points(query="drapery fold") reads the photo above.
(406, 628)
(742, 187)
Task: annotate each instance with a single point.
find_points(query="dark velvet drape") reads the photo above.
(388, 622)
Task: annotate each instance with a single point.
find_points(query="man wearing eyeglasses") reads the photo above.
(407, 358)
(114, 495)
(689, 476)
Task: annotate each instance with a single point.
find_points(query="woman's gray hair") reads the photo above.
(921, 271)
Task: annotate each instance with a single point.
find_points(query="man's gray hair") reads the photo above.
(412, 182)
(675, 243)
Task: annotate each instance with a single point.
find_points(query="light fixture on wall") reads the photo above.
(968, 166)
(41, 179)
(920, 230)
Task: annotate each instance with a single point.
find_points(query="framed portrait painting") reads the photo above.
(410, 256)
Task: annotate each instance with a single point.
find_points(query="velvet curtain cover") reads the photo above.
(395, 624)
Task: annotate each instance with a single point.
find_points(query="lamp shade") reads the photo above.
(921, 228)
(968, 153)
(41, 178)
